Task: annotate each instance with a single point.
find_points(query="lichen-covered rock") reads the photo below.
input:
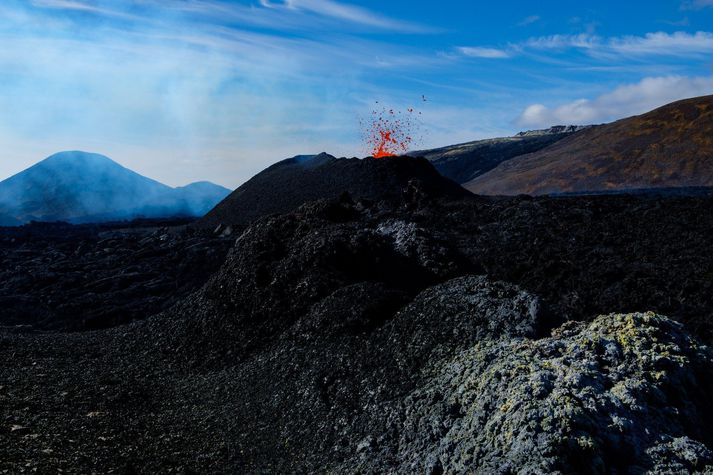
(460, 312)
(627, 393)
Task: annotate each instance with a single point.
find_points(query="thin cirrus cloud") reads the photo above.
(247, 14)
(696, 4)
(652, 44)
(479, 52)
(80, 6)
(68, 5)
(582, 41)
(346, 12)
(627, 100)
(663, 43)
(529, 20)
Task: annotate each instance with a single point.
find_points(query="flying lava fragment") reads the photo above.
(389, 132)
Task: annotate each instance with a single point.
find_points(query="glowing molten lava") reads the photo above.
(386, 142)
(389, 133)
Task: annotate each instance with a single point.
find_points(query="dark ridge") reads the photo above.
(286, 185)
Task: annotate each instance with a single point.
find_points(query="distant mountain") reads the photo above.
(196, 199)
(286, 185)
(464, 162)
(670, 147)
(6, 220)
(85, 187)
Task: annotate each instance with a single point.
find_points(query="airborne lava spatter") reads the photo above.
(388, 133)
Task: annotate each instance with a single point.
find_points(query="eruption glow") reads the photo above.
(388, 132)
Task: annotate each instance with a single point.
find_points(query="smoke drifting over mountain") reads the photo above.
(84, 187)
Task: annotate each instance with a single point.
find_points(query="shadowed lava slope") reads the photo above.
(363, 337)
(288, 184)
(669, 147)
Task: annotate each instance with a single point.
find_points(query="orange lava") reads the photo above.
(385, 143)
(388, 133)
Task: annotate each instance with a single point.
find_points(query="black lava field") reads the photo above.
(426, 332)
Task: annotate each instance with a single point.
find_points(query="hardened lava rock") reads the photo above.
(626, 393)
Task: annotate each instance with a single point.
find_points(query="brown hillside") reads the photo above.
(669, 147)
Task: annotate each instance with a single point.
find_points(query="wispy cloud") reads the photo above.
(583, 41)
(679, 43)
(65, 4)
(696, 4)
(682, 22)
(281, 14)
(529, 20)
(652, 44)
(347, 12)
(81, 6)
(623, 101)
(478, 52)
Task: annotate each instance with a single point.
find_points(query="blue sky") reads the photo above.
(184, 90)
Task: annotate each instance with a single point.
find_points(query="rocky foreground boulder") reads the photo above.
(624, 394)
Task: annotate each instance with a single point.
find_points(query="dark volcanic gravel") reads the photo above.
(418, 336)
(56, 276)
(597, 254)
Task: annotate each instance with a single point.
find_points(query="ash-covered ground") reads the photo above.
(60, 277)
(419, 335)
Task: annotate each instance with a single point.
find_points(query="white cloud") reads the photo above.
(623, 101)
(478, 52)
(664, 43)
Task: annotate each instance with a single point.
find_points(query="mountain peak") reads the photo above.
(78, 156)
(79, 186)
